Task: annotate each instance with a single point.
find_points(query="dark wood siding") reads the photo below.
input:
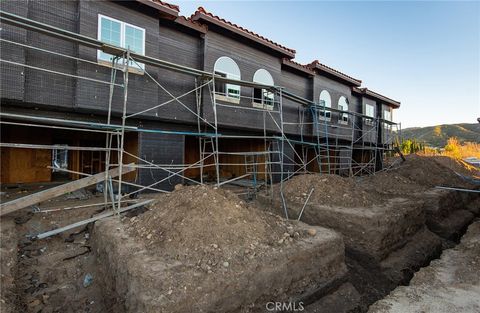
(49, 89)
(184, 49)
(12, 82)
(142, 91)
(249, 60)
(160, 149)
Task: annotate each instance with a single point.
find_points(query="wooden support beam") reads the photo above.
(50, 193)
(90, 220)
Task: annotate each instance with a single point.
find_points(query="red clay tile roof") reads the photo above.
(165, 9)
(317, 65)
(202, 12)
(298, 66)
(191, 24)
(168, 5)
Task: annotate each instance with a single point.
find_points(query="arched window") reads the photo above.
(263, 96)
(325, 100)
(343, 105)
(226, 67)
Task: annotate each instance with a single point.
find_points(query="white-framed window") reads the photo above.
(343, 106)
(387, 115)
(263, 98)
(120, 34)
(325, 100)
(370, 113)
(226, 67)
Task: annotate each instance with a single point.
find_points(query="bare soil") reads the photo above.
(47, 275)
(431, 171)
(418, 174)
(449, 284)
(206, 226)
(332, 190)
(203, 249)
(208, 236)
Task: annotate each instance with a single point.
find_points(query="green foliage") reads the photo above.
(409, 146)
(452, 148)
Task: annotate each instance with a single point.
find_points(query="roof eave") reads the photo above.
(352, 81)
(377, 96)
(297, 67)
(190, 24)
(165, 11)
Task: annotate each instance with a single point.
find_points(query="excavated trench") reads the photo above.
(384, 247)
(375, 280)
(387, 244)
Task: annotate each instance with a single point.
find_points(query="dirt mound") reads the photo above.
(459, 166)
(330, 190)
(390, 183)
(418, 174)
(208, 227)
(431, 171)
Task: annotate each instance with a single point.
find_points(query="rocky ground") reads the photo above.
(209, 236)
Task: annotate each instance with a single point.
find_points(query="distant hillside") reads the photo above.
(437, 136)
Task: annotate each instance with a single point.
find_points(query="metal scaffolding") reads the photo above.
(348, 147)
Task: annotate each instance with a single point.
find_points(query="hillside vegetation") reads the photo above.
(437, 136)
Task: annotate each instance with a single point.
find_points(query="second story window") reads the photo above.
(325, 100)
(226, 67)
(343, 106)
(120, 34)
(263, 97)
(387, 115)
(370, 113)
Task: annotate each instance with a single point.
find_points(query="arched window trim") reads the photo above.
(343, 106)
(263, 98)
(327, 114)
(227, 91)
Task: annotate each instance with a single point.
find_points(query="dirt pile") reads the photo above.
(209, 228)
(203, 249)
(332, 190)
(433, 171)
(418, 174)
(390, 183)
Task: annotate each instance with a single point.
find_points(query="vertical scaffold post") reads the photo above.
(352, 140)
(124, 117)
(217, 160)
(198, 94)
(108, 136)
(282, 152)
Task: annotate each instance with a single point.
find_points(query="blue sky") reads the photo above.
(424, 54)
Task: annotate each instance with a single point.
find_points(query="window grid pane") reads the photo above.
(111, 33)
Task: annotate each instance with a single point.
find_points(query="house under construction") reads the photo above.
(90, 85)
